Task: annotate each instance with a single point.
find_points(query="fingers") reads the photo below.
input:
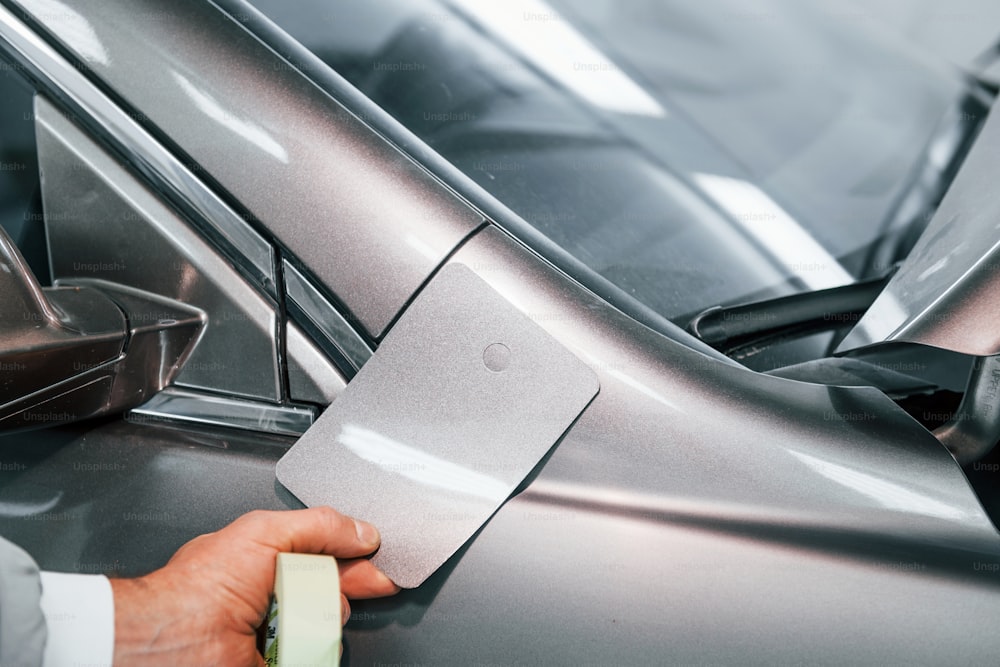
(318, 530)
(345, 609)
(360, 580)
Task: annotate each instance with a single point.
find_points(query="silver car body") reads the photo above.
(696, 512)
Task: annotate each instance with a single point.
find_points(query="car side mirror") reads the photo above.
(84, 349)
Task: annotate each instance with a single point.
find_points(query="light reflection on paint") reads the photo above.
(887, 494)
(642, 388)
(250, 131)
(22, 510)
(73, 29)
(420, 246)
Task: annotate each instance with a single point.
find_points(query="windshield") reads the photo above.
(692, 153)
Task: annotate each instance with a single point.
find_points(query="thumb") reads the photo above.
(318, 530)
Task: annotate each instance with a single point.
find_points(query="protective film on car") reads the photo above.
(458, 405)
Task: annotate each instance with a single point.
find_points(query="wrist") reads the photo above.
(152, 626)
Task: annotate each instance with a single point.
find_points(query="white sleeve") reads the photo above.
(22, 624)
(79, 614)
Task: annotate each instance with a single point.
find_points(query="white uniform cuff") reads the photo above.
(79, 614)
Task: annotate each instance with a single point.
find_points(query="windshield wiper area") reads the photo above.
(735, 329)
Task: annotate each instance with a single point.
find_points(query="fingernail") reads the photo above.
(345, 612)
(367, 533)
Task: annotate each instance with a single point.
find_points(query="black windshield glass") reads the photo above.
(691, 153)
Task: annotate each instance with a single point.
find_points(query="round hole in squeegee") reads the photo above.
(496, 357)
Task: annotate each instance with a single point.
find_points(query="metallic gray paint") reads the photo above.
(103, 223)
(695, 513)
(944, 294)
(670, 421)
(699, 513)
(119, 498)
(696, 534)
(368, 221)
(462, 400)
(144, 152)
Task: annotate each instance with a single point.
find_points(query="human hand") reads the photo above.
(205, 605)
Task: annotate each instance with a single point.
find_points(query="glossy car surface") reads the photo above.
(697, 511)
